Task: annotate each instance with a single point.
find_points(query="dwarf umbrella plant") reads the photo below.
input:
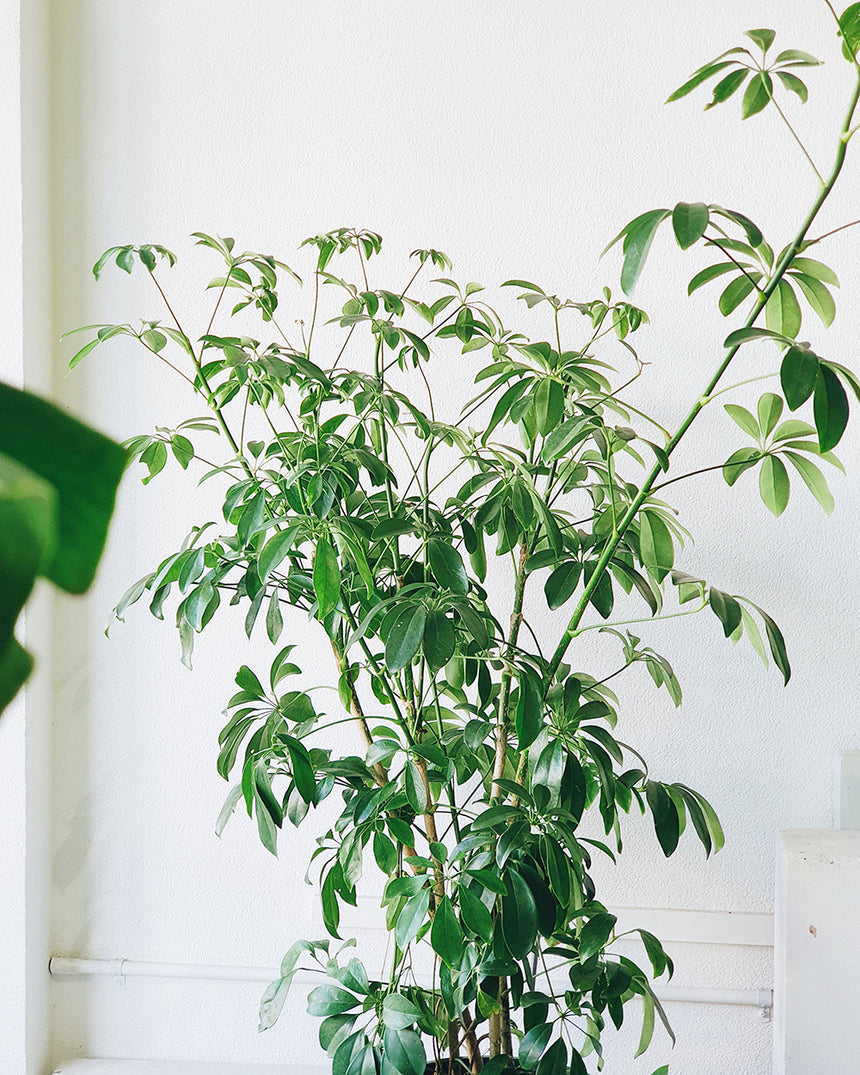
(358, 503)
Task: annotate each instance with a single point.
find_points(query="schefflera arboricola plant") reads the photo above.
(356, 503)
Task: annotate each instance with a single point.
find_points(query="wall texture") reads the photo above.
(518, 137)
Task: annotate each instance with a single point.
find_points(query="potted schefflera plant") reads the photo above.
(356, 502)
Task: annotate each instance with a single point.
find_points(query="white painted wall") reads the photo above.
(518, 137)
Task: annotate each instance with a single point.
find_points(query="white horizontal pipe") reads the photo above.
(65, 967)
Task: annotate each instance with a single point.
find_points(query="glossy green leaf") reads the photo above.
(816, 269)
(561, 583)
(727, 610)
(446, 936)
(439, 639)
(533, 1045)
(656, 547)
(794, 84)
(475, 915)
(330, 1000)
(399, 1012)
(813, 479)
(763, 38)
(404, 636)
(549, 405)
(798, 375)
(830, 407)
(416, 793)
(757, 95)
(742, 417)
(769, 411)
(447, 566)
(689, 221)
(704, 73)
(595, 934)
(711, 273)
(82, 466)
(818, 297)
(782, 311)
(404, 1052)
(738, 462)
(727, 86)
(529, 711)
(665, 815)
(411, 918)
(849, 28)
(326, 577)
(519, 916)
(637, 244)
(554, 1060)
(735, 294)
(773, 484)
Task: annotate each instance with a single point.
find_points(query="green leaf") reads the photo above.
(813, 479)
(554, 1060)
(519, 916)
(398, 1012)
(560, 585)
(326, 578)
(795, 56)
(416, 793)
(769, 411)
(549, 405)
(439, 639)
(849, 28)
(331, 1000)
(595, 934)
(798, 375)
(533, 1045)
(773, 484)
(447, 566)
(28, 526)
(757, 95)
(777, 647)
(637, 244)
(727, 86)
(746, 335)
(698, 78)
(782, 312)
(738, 462)
(656, 548)
(529, 712)
(411, 918)
(742, 417)
(82, 466)
(274, 551)
(735, 294)
(727, 610)
(830, 407)
(794, 84)
(404, 636)
(763, 38)
(818, 297)
(711, 273)
(446, 937)
(666, 821)
(274, 619)
(817, 269)
(404, 1051)
(689, 220)
(475, 915)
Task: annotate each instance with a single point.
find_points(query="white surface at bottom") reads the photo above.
(180, 1067)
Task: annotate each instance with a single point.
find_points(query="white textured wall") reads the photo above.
(517, 137)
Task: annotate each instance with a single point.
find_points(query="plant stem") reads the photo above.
(503, 719)
(644, 492)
